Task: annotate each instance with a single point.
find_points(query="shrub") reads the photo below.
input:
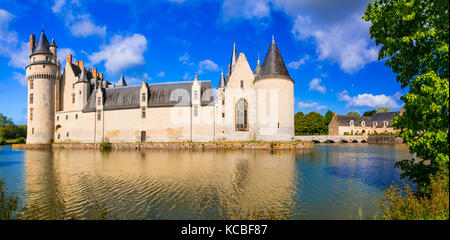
(403, 204)
(2, 141)
(21, 140)
(105, 144)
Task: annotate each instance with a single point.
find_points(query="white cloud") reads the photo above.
(79, 24)
(186, 76)
(20, 77)
(161, 74)
(247, 9)
(313, 105)
(185, 59)
(17, 51)
(121, 53)
(314, 85)
(369, 100)
(297, 64)
(207, 66)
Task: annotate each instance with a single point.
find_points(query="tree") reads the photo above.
(414, 36)
(310, 124)
(353, 113)
(328, 116)
(4, 121)
(369, 113)
(383, 109)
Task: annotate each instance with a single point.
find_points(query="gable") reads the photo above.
(241, 72)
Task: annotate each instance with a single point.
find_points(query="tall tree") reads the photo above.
(414, 39)
(328, 117)
(383, 109)
(353, 113)
(369, 113)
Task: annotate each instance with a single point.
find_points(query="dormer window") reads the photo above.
(99, 101)
(143, 97)
(352, 123)
(195, 94)
(385, 123)
(363, 123)
(242, 84)
(374, 124)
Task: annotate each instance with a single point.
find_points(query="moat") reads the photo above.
(330, 181)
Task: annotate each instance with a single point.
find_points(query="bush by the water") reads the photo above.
(105, 144)
(21, 140)
(2, 141)
(404, 204)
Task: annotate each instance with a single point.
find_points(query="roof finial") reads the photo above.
(273, 39)
(195, 76)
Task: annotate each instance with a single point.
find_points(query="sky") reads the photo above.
(325, 45)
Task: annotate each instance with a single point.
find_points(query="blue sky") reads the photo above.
(325, 45)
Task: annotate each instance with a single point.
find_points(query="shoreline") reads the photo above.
(173, 145)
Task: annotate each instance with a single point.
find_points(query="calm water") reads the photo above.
(331, 181)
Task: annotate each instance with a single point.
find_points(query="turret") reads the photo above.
(41, 75)
(274, 85)
(82, 88)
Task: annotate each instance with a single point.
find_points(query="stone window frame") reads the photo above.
(352, 123)
(195, 111)
(99, 115)
(241, 126)
(242, 84)
(143, 113)
(31, 98)
(385, 123)
(144, 97)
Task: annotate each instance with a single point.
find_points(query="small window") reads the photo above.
(76, 116)
(352, 123)
(43, 66)
(31, 84)
(195, 111)
(223, 102)
(34, 59)
(363, 123)
(278, 124)
(67, 117)
(242, 84)
(73, 98)
(143, 97)
(374, 124)
(195, 94)
(73, 86)
(31, 98)
(67, 134)
(385, 123)
(143, 112)
(57, 118)
(32, 130)
(99, 101)
(223, 115)
(99, 115)
(59, 136)
(46, 59)
(31, 114)
(80, 92)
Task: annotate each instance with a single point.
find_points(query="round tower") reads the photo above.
(41, 75)
(274, 89)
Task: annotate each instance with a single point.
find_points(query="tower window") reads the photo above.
(223, 102)
(67, 117)
(43, 66)
(31, 98)
(57, 118)
(143, 97)
(34, 59)
(73, 98)
(242, 84)
(76, 116)
(59, 136)
(143, 112)
(32, 130)
(195, 94)
(195, 111)
(99, 115)
(31, 114)
(99, 101)
(223, 115)
(67, 134)
(278, 124)
(31, 84)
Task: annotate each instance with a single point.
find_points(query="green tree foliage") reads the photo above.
(383, 109)
(310, 124)
(414, 38)
(353, 113)
(10, 131)
(369, 113)
(328, 117)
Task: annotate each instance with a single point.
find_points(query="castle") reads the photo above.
(80, 105)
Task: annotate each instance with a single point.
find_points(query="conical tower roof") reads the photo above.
(222, 80)
(83, 76)
(273, 66)
(258, 67)
(42, 45)
(233, 57)
(122, 81)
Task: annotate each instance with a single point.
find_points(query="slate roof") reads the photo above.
(221, 81)
(122, 81)
(128, 97)
(83, 77)
(273, 65)
(344, 120)
(258, 67)
(42, 45)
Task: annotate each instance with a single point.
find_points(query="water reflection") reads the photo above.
(330, 181)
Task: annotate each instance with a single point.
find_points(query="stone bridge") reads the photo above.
(333, 138)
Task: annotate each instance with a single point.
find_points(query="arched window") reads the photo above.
(352, 123)
(374, 123)
(385, 123)
(241, 115)
(363, 123)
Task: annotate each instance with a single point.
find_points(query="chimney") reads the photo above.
(76, 63)
(69, 58)
(94, 72)
(32, 41)
(100, 76)
(81, 65)
(88, 69)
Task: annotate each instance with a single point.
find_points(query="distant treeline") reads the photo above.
(312, 123)
(8, 130)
